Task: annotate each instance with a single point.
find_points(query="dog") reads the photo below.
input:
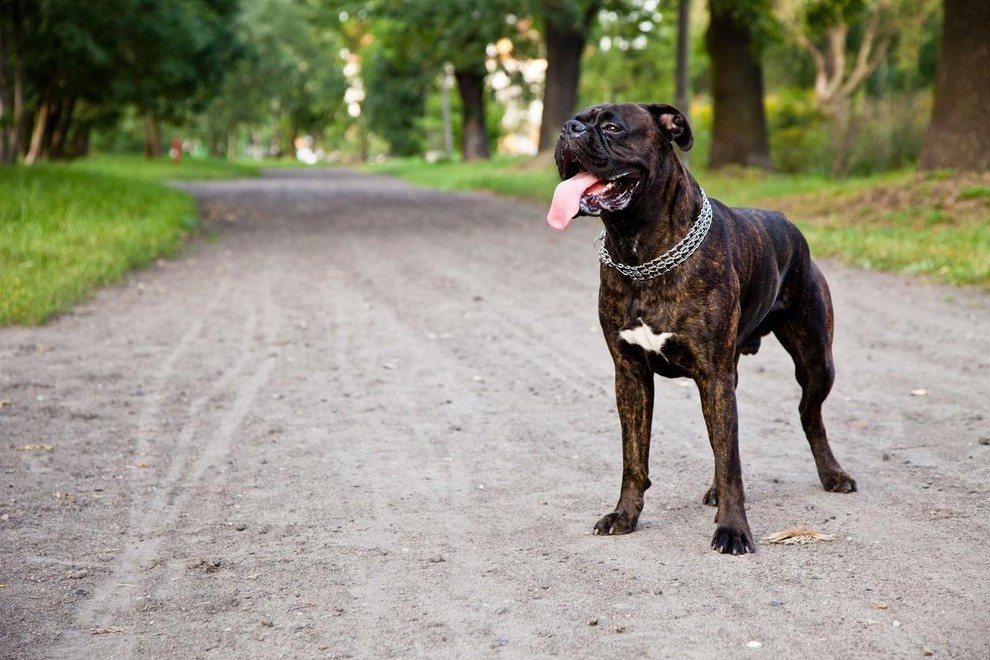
(687, 286)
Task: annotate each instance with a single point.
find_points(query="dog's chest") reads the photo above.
(665, 343)
(646, 337)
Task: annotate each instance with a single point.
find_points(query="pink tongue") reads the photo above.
(567, 199)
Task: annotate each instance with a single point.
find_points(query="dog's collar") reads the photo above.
(670, 259)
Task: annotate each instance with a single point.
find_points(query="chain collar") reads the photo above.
(670, 259)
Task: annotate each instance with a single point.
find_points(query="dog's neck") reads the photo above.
(672, 202)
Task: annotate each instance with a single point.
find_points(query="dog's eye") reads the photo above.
(611, 128)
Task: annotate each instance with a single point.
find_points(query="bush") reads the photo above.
(886, 133)
(878, 134)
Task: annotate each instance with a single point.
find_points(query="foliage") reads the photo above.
(289, 80)
(883, 133)
(395, 80)
(848, 40)
(174, 54)
(275, 69)
(84, 61)
(631, 56)
(757, 16)
(399, 72)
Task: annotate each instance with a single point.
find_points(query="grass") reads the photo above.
(163, 169)
(68, 229)
(935, 225)
(513, 177)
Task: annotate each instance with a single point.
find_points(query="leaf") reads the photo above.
(795, 535)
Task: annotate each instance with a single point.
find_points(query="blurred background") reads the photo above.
(829, 87)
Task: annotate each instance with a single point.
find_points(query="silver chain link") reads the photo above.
(670, 259)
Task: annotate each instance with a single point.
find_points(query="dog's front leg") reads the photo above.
(718, 402)
(634, 400)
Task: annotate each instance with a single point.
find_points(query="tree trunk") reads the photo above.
(20, 123)
(60, 128)
(448, 124)
(957, 136)
(214, 134)
(152, 136)
(682, 72)
(79, 145)
(565, 45)
(739, 125)
(8, 152)
(11, 83)
(214, 140)
(474, 137)
(231, 150)
(291, 133)
(37, 149)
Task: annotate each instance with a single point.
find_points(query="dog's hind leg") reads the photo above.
(808, 340)
(710, 498)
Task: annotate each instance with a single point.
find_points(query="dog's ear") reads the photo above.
(672, 123)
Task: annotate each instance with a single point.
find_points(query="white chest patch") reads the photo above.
(645, 338)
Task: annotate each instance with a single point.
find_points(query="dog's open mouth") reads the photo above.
(584, 193)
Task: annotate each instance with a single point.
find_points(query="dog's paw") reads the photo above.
(617, 522)
(730, 541)
(839, 482)
(711, 497)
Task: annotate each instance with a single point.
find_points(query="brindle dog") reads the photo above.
(750, 274)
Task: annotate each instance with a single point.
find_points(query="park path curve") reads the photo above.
(358, 419)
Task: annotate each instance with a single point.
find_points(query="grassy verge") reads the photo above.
(67, 229)
(935, 225)
(163, 169)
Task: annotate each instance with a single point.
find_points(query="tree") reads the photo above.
(69, 58)
(847, 41)
(456, 33)
(393, 81)
(822, 27)
(957, 136)
(737, 31)
(566, 24)
(11, 80)
(683, 47)
(289, 79)
(630, 56)
(75, 62)
(173, 58)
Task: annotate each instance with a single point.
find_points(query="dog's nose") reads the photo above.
(573, 128)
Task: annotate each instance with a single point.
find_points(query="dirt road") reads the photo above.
(362, 420)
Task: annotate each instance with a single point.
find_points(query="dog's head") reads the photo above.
(607, 152)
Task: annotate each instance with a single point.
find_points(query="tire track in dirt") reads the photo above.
(394, 430)
(193, 448)
(446, 548)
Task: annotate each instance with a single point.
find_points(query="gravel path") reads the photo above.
(363, 420)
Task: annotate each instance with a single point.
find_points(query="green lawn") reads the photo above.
(67, 229)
